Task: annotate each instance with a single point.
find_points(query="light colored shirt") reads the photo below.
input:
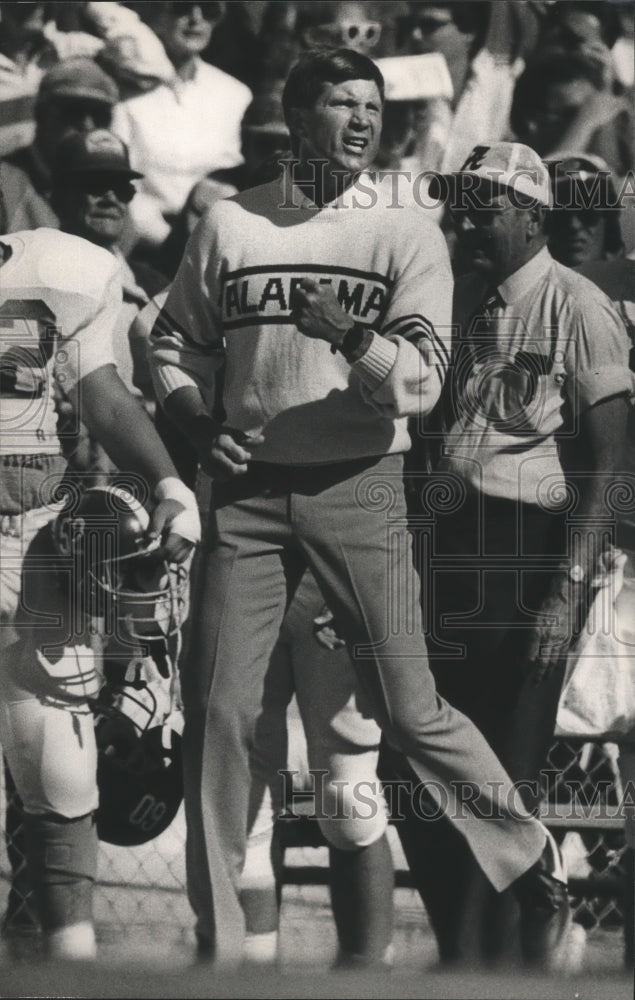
(482, 112)
(555, 347)
(18, 88)
(177, 134)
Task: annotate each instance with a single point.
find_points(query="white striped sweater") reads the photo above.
(230, 301)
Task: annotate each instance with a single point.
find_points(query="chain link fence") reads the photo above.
(141, 891)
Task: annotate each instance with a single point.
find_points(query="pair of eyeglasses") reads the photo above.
(589, 217)
(98, 184)
(479, 217)
(429, 25)
(211, 10)
(354, 31)
(344, 32)
(75, 112)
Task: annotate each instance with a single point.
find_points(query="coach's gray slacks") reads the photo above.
(347, 521)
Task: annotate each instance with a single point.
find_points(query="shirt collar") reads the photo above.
(522, 280)
(179, 84)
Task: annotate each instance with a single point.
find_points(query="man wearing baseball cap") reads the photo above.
(533, 418)
(92, 187)
(74, 96)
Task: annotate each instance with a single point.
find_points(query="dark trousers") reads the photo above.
(489, 568)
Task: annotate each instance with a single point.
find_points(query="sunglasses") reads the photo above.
(429, 25)
(589, 217)
(345, 32)
(480, 218)
(74, 111)
(98, 184)
(211, 10)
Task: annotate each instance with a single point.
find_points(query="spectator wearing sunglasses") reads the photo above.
(183, 130)
(74, 96)
(584, 223)
(483, 62)
(562, 102)
(589, 27)
(92, 190)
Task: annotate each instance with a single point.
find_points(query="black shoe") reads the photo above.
(544, 906)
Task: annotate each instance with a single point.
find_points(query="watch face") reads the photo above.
(576, 574)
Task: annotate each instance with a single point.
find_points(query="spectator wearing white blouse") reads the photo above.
(185, 129)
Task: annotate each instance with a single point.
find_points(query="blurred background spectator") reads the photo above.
(74, 96)
(24, 56)
(183, 130)
(572, 97)
(557, 75)
(92, 188)
(584, 223)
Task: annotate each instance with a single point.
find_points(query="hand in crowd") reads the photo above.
(602, 107)
(601, 56)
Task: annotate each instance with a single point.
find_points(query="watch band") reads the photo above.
(351, 340)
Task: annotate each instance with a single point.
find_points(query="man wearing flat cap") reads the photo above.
(533, 420)
(74, 96)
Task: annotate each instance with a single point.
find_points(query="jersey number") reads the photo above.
(28, 336)
(147, 813)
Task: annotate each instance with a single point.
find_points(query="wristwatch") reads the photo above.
(352, 339)
(577, 573)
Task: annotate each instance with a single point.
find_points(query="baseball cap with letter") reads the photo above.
(511, 165)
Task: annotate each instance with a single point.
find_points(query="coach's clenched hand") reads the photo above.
(317, 313)
(225, 452)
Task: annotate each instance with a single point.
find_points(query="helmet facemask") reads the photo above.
(148, 596)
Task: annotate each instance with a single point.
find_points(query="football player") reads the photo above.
(59, 297)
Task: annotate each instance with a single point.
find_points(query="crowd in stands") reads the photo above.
(194, 91)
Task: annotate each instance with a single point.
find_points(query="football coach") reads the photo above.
(331, 322)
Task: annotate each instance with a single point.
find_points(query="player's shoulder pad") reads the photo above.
(70, 263)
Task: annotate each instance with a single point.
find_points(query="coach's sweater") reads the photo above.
(232, 299)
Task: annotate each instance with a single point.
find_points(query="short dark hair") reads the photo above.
(313, 69)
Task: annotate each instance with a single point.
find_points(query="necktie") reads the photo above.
(486, 315)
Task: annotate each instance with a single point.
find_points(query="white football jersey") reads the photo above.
(59, 300)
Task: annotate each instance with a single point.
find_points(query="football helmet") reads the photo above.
(137, 732)
(105, 533)
(140, 780)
